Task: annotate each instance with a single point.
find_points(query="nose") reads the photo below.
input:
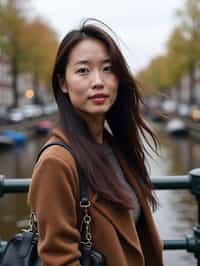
(97, 80)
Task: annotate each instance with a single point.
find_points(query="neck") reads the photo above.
(96, 126)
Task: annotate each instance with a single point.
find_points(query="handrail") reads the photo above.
(16, 185)
(191, 181)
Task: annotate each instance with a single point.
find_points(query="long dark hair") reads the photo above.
(124, 119)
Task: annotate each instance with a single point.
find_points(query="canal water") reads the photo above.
(175, 217)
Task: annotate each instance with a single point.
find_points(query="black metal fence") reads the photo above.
(191, 182)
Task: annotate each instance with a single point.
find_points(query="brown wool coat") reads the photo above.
(54, 197)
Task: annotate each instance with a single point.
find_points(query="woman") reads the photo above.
(93, 85)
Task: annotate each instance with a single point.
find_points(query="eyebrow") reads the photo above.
(86, 62)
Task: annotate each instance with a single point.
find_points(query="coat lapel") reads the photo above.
(149, 238)
(120, 218)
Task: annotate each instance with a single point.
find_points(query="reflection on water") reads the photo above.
(175, 217)
(16, 163)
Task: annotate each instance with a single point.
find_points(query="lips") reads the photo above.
(98, 98)
(99, 95)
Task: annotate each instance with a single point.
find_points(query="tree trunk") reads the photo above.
(192, 84)
(178, 94)
(14, 72)
(36, 98)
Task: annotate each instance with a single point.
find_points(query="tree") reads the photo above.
(40, 44)
(30, 45)
(189, 24)
(12, 25)
(177, 59)
(155, 76)
(183, 51)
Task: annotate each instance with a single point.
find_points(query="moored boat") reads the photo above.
(6, 141)
(17, 137)
(43, 126)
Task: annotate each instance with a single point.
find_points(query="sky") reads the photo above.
(142, 26)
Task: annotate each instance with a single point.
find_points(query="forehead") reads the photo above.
(88, 50)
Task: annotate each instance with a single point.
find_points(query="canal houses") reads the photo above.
(25, 82)
(182, 94)
(5, 82)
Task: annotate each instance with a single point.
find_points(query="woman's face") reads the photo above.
(89, 80)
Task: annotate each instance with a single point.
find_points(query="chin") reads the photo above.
(101, 111)
(96, 111)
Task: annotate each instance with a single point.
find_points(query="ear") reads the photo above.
(63, 85)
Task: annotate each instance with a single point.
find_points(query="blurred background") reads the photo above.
(161, 42)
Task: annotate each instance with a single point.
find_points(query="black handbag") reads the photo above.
(21, 250)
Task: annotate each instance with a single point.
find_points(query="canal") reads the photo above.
(175, 217)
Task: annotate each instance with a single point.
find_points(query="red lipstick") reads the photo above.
(99, 98)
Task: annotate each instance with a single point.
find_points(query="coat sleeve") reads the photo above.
(53, 197)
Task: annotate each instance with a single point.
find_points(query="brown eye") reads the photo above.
(108, 68)
(83, 71)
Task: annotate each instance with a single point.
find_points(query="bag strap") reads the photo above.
(84, 201)
(82, 178)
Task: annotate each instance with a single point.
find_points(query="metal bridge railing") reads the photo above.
(191, 182)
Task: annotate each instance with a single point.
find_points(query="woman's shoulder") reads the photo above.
(55, 167)
(55, 149)
(54, 160)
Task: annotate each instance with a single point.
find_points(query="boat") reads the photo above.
(43, 126)
(177, 127)
(17, 137)
(6, 141)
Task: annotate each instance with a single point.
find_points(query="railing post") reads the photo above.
(195, 189)
(1, 184)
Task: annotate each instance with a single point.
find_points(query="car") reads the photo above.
(31, 111)
(50, 108)
(168, 106)
(3, 115)
(183, 110)
(15, 115)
